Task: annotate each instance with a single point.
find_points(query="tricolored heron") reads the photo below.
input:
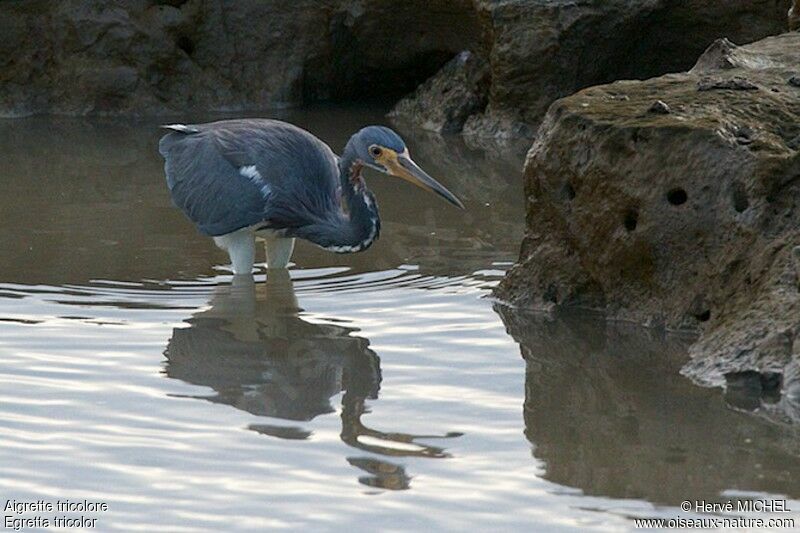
(239, 180)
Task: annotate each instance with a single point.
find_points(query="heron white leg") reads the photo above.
(241, 248)
(279, 252)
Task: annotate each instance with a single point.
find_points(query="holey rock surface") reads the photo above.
(675, 202)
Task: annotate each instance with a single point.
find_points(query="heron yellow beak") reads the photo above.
(403, 167)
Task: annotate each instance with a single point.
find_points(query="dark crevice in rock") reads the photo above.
(771, 385)
(355, 81)
(631, 219)
(796, 265)
(703, 316)
(387, 50)
(568, 191)
(677, 196)
(551, 294)
(186, 44)
(747, 389)
(446, 101)
(739, 197)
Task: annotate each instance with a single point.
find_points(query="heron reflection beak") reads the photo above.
(403, 167)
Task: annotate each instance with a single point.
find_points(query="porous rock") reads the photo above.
(672, 220)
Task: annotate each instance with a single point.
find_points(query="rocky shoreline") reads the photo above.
(673, 202)
(536, 51)
(149, 57)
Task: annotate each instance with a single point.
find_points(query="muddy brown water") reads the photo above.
(377, 390)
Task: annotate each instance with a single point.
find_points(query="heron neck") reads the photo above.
(360, 219)
(353, 224)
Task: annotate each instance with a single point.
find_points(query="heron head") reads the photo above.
(382, 149)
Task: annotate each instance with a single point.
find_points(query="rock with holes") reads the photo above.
(689, 220)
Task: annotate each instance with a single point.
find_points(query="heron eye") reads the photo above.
(375, 151)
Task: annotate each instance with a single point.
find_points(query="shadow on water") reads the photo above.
(258, 355)
(607, 412)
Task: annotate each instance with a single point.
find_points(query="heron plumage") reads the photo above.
(238, 179)
(211, 169)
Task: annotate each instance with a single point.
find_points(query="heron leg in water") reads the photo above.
(279, 252)
(241, 248)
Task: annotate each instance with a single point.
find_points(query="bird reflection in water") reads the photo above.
(255, 351)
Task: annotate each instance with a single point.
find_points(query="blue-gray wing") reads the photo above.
(233, 174)
(211, 191)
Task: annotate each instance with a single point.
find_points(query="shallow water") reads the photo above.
(377, 390)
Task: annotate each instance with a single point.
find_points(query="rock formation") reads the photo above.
(541, 50)
(674, 202)
(794, 15)
(155, 56)
(445, 102)
(145, 56)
